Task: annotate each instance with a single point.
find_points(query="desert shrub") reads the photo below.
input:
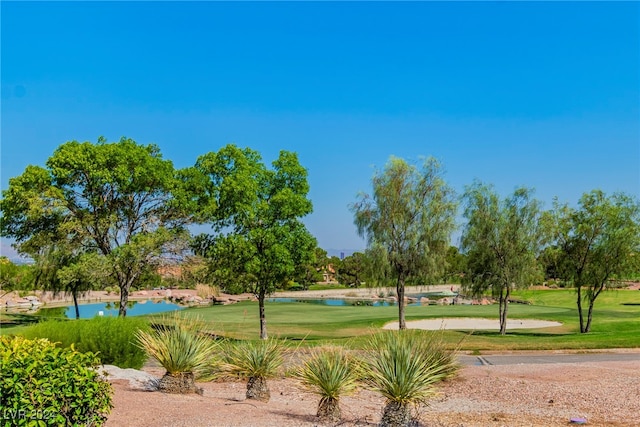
(404, 366)
(329, 373)
(46, 385)
(181, 349)
(112, 338)
(255, 360)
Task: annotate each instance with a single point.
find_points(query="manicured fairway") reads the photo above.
(616, 322)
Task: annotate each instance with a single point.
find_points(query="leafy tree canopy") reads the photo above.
(408, 221)
(502, 239)
(121, 200)
(596, 243)
(256, 211)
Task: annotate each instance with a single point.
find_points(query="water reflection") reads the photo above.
(87, 311)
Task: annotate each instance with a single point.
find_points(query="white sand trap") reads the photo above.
(472, 323)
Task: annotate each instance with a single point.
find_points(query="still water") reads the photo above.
(337, 302)
(87, 311)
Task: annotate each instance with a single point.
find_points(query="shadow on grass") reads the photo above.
(17, 319)
(522, 334)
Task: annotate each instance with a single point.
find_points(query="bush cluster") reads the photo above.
(112, 338)
(46, 385)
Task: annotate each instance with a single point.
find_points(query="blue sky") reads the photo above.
(541, 94)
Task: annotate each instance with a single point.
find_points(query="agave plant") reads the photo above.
(178, 346)
(403, 366)
(255, 360)
(330, 373)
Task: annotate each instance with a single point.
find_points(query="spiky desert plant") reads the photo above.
(331, 373)
(402, 367)
(179, 346)
(435, 351)
(255, 360)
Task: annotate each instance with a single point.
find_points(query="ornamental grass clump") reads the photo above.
(404, 366)
(330, 373)
(179, 346)
(255, 360)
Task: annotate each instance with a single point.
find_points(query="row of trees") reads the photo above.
(113, 212)
(409, 218)
(118, 210)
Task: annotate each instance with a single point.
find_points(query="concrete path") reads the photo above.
(542, 358)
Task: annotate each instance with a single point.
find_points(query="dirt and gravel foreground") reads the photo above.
(605, 393)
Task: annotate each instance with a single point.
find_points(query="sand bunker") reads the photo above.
(471, 323)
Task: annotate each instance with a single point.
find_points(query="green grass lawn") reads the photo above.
(616, 322)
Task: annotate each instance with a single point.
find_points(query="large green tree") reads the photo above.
(255, 212)
(310, 273)
(121, 200)
(14, 276)
(595, 243)
(407, 221)
(502, 240)
(455, 265)
(352, 270)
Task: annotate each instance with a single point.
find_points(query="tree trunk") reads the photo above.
(579, 301)
(124, 300)
(329, 410)
(258, 389)
(587, 327)
(395, 414)
(263, 318)
(400, 293)
(75, 304)
(504, 306)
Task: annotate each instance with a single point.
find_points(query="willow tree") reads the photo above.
(255, 212)
(407, 221)
(502, 240)
(120, 200)
(595, 243)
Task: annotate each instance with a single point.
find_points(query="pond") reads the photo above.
(341, 302)
(87, 311)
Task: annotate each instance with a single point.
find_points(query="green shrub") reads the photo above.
(46, 385)
(113, 338)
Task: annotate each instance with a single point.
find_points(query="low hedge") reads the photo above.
(44, 385)
(112, 338)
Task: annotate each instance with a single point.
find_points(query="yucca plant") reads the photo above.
(181, 349)
(255, 360)
(403, 367)
(330, 373)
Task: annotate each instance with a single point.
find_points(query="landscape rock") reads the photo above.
(137, 379)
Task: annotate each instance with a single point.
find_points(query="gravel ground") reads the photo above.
(605, 393)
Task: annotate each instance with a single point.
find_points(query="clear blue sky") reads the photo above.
(541, 94)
